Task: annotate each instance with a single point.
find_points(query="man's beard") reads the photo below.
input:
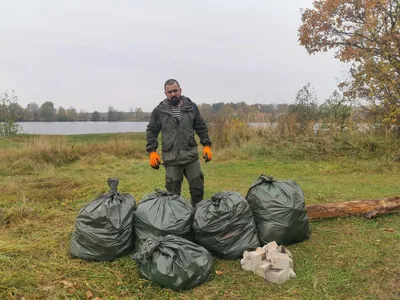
(174, 101)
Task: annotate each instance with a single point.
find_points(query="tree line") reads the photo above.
(305, 98)
(46, 112)
(306, 107)
(336, 108)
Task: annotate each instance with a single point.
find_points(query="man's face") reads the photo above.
(172, 91)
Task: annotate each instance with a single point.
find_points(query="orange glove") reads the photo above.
(155, 160)
(207, 154)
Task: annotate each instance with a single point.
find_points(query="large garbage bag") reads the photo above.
(174, 262)
(279, 211)
(161, 213)
(104, 227)
(225, 225)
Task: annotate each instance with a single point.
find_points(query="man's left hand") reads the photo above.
(207, 154)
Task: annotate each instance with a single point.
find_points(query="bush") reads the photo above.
(8, 115)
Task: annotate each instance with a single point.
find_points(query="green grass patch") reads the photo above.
(345, 258)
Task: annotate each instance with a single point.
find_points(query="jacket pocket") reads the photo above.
(191, 143)
(167, 147)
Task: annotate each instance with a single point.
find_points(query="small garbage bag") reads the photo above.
(104, 227)
(174, 262)
(225, 225)
(161, 213)
(279, 210)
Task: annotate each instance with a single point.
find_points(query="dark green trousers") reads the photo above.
(194, 176)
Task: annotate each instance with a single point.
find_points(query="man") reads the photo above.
(178, 118)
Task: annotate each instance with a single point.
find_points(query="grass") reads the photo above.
(44, 181)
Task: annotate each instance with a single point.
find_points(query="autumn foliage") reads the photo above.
(365, 33)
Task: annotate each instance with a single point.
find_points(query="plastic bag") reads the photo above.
(161, 213)
(174, 262)
(104, 227)
(225, 225)
(279, 211)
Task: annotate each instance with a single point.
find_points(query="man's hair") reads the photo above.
(171, 82)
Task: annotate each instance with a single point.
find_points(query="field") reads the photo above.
(44, 181)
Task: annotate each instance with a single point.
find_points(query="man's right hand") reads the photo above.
(155, 160)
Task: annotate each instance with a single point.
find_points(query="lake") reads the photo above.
(67, 128)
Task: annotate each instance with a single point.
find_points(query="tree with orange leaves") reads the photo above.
(365, 33)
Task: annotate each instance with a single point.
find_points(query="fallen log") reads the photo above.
(366, 208)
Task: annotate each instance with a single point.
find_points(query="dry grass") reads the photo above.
(287, 139)
(46, 180)
(34, 153)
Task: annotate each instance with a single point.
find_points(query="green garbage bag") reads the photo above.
(161, 213)
(104, 227)
(225, 225)
(174, 262)
(279, 211)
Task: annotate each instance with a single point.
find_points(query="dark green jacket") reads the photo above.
(178, 143)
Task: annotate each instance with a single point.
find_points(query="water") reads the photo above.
(263, 125)
(67, 128)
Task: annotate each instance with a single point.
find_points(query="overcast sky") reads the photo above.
(92, 54)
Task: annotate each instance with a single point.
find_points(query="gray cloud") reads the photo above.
(92, 54)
